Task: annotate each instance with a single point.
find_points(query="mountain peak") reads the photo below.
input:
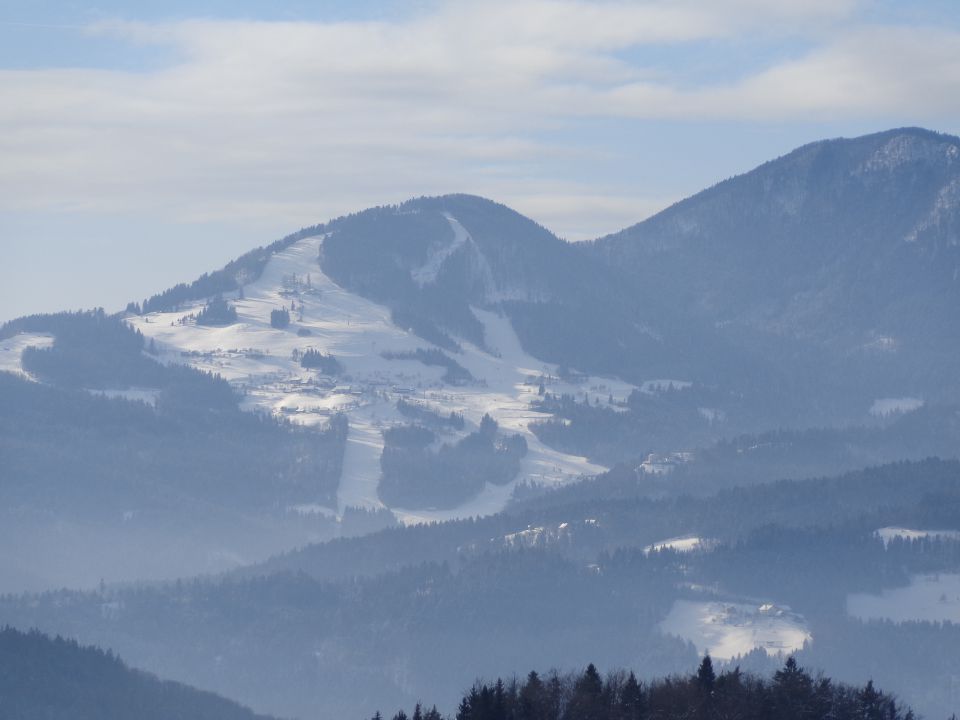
(866, 229)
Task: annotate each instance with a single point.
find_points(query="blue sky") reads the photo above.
(145, 143)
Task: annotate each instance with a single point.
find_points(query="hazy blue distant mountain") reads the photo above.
(57, 679)
(816, 292)
(595, 571)
(448, 359)
(812, 285)
(849, 248)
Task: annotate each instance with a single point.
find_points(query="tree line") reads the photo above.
(792, 693)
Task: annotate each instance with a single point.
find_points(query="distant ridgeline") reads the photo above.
(791, 694)
(805, 288)
(798, 292)
(57, 679)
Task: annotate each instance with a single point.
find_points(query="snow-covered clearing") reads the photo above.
(933, 598)
(889, 533)
(258, 359)
(688, 543)
(12, 348)
(727, 629)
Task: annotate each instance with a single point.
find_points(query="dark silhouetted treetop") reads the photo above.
(731, 694)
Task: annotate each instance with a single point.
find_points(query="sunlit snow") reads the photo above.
(12, 348)
(727, 629)
(889, 533)
(934, 598)
(688, 543)
(258, 360)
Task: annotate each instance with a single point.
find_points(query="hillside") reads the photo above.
(846, 251)
(57, 679)
(366, 353)
(857, 575)
(437, 425)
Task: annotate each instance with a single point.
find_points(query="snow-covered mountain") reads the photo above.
(808, 288)
(378, 369)
(422, 362)
(818, 290)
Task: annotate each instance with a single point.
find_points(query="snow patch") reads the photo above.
(539, 536)
(889, 533)
(11, 350)
(688, 543)
(427, 273)
(664, 463)
(930, 598)
(727, 629)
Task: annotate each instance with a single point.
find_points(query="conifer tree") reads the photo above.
(705, 674)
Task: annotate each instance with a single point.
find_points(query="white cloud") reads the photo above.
(288, 119)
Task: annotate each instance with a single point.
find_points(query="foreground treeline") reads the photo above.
(791, 694)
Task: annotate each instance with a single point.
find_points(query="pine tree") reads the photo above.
(587, 700)
(706, 677)
(531, 698)
(632, 706)
(464, 711)
(792, 693)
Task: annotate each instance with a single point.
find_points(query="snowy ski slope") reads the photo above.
(258, 360)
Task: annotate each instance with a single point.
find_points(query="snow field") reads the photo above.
(889, 533)
(11, 350)
(688, 543)
(931, 598)
(728, 630)
(258, 360)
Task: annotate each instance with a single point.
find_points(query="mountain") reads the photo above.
(117, 467)
(57, 679)
(434, 260)
(846, 251)
(434, 435)
(423, 362)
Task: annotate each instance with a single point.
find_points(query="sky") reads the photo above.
(143, 143)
